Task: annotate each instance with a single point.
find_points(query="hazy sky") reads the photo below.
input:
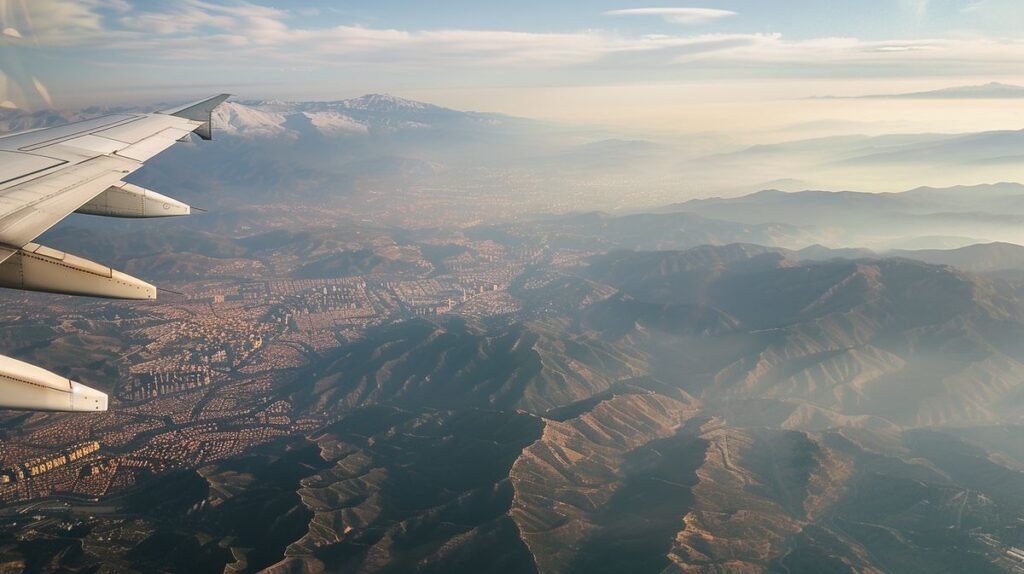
(705, 65)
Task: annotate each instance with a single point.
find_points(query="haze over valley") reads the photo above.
(398, 344)
(569, 289)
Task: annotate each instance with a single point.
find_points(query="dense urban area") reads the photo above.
(204, 375)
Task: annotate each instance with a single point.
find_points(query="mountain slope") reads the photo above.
(533, 367)
(854, 338)
(977, 258)
(881, 221)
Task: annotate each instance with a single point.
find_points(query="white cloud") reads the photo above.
(676, 15)
(195, 15)
(250, 36)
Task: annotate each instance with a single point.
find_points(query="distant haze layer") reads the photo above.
(737, 112)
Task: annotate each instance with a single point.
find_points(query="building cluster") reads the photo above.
(156, 383)
(39, 465)
(490, 304)
(314, 311)
(208, 377)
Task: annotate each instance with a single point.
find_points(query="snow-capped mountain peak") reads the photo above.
(369, 114)
(333, 123)
(244, 120)
(384, 103)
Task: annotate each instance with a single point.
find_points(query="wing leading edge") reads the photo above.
(47, 174)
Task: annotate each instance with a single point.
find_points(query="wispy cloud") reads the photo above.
(676, 15)
(198, 15)
(918, 8)
(255, 36)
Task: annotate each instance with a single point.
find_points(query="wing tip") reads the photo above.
(198, 111)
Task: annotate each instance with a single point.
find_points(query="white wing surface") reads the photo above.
(47, 174)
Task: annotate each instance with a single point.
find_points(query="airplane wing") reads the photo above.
(47, 174)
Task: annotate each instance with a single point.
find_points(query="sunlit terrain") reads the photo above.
(575, 288)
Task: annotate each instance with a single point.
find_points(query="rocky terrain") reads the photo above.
(720, 409)
(717, 386)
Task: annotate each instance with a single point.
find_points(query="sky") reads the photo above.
(698, 66)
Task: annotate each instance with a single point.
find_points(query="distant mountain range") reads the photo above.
(869, 163)
(980, 258)
(992, 90)
(974, 228)
(366, 115)
(15, 120)
(948, 217)
(645, 231)
(272, 147)
(880, 326)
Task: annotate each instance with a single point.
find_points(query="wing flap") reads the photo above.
(93, 145)
(135, 132)
(153, 145)
(35, 139)
(15, 165)
(31, 208)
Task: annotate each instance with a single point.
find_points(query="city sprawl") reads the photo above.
(205, 375)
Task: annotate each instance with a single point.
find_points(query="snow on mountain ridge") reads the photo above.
(330, 123)
(385, 102)
(241, 120)
(371, 113)
(372, 103)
